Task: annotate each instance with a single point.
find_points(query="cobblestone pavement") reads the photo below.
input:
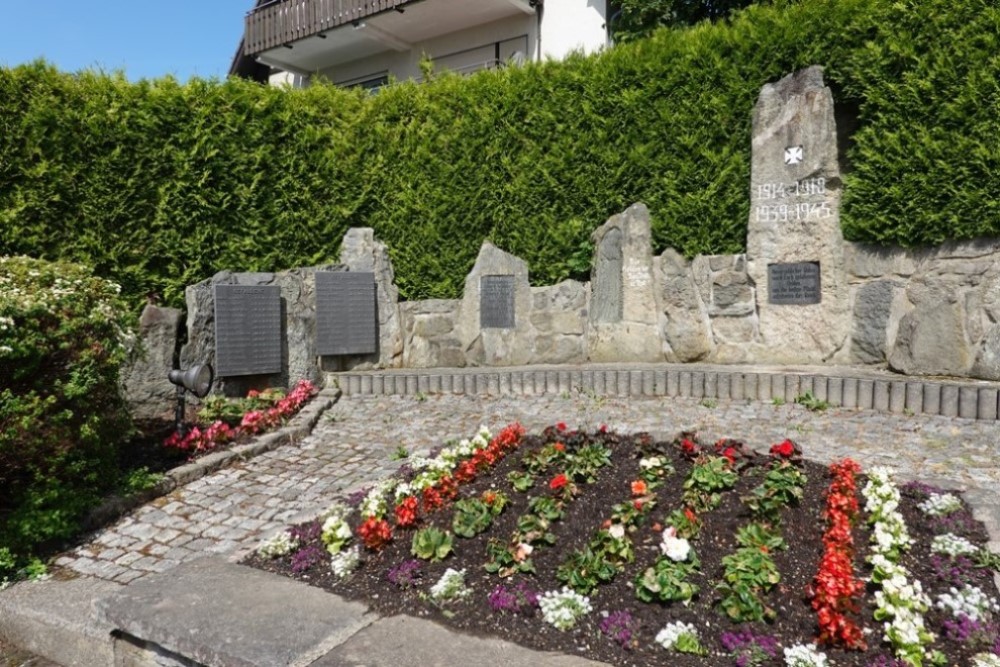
(230, 511)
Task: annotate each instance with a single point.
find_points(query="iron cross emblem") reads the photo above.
(793, 155)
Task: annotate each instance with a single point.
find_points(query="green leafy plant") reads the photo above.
(583, 463)
(431, 544)
(140, 479)
(472, 516)
(401, 453)
(811, 403)
(547, 508)
(783, 486)
(747, 574)
(585, 570)
(521, 481)
(777, 401)
(666, 581)
(709, 476)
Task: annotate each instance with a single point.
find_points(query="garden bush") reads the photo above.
(63, 336)
(158, 184)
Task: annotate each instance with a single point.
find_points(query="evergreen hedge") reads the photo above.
(158, 185)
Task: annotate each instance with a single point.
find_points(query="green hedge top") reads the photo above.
(159, 185)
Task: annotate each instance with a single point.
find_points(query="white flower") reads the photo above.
(450, 586)
(668, 636)
(986, 660)
(344, 562)
(939, 504)
(675, 548)
(804, 655)
(651, 463)
(970, 601)
(563, 608)
(617, 531)
(953, 545)
(280, 544)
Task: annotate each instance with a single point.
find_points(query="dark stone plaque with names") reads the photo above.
(496, 302)
(247, 329)
(346, 313)
(793, 284)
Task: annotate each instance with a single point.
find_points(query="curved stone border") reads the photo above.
(297, 428)
(840, 387)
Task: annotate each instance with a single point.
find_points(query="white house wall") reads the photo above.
(466, 48)
(573, 25)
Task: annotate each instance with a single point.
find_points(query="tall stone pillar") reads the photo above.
(795, 249)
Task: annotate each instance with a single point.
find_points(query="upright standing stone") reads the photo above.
(361, 252)
(147, 390)
(496, 345)
(624, 322)
(794, 224)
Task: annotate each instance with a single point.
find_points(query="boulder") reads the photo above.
(144, 378)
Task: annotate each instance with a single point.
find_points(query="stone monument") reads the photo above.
(795, 249)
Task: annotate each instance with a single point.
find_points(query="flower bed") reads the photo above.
(222, 420)
(632, 551)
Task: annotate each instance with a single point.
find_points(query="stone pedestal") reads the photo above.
(794, 228)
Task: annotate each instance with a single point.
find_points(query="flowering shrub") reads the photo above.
(64, 335)
(563, 608)
(375, 533)
(252, 422)
(968, 601)
(305, 558)
(405, 574)
(619, 626)
(336, 533)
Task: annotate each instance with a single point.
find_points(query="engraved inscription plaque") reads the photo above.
(793, 284)
(346, 313)
(247, 330)
(496, 302)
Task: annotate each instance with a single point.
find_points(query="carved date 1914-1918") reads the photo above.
(795, 210)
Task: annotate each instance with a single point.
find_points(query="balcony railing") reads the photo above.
(284, 21)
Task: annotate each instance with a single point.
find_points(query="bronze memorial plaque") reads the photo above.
(247, 329)
(793, 284)
(496, 302)
(346, 313)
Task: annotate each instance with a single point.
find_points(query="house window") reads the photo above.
(370, 82)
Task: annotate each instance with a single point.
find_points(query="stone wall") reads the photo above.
(800, 294)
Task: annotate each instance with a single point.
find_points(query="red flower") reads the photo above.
(432, 499)
(561, 426)
(406, 512)
(489, 497)
(559, 447)
(637, 504)
(603, 428)
(729, 453)
(448, 486)
(375, 533)
(690, 515)
(466, 472)
(785, 449)
(558, 482)
(688, 447)
(639, 488)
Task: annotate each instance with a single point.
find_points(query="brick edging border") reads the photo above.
(902, 395)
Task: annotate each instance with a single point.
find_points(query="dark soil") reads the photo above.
(802, 527)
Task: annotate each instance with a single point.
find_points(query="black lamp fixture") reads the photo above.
(198, 380)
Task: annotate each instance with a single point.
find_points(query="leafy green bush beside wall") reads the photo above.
(63, 336)
(159, 185)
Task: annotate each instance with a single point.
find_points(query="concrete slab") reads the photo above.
(404, 640)
(219, 613)
(56, 619)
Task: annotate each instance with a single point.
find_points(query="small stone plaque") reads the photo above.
(247, 329)
(793, 284)
(496, 302)
(346, 313)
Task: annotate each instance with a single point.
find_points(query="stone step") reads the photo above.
(840, 387)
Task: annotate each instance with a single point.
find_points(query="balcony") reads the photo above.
(306, 36)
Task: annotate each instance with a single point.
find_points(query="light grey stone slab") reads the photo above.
(423, 383)
(378, 384)
(684, 387)
(914, 397)
(932, 399)
(673, 383)
(880, 395)
(849, 393)
(949, 400)
(648, 383)
(751, 386)
(218, 613)
(737, 387)
(968, 402)
(660, 383)
(601, 383)
(792, 391)
(366, 384)
(404, 640)
(821, 388)
(411, 385)
(434, 384)
(806, 385)
(724, 386)
(897, 396)
(698, 384)
(987, 408)
(711, 384)
(866, 394)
